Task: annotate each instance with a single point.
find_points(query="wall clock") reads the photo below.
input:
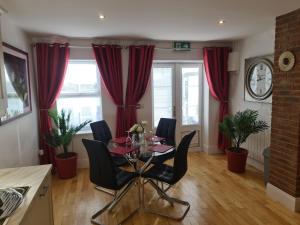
(258, 81)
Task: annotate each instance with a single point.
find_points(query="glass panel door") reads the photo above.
(188, 100)
(162, 89)
(190, 95)
(176, 93)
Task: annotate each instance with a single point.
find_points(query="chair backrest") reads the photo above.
(101, 131)
(102, 170)
(180, 160)
(166, 128)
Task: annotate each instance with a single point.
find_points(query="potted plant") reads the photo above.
(238, 128)
(60, 138)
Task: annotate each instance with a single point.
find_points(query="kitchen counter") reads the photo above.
(39, 180)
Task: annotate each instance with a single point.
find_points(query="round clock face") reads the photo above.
(259, 80)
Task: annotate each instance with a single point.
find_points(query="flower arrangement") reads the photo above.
(138, 128)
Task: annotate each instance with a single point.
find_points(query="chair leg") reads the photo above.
(162, 185)
(167, 188)
(161, 193)
(171, 200)
(145, 181)
(112, 193)
(143, 191)
(121, 194)
(111, 205)
(98, 213)
(139, 191)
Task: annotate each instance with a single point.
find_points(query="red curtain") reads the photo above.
(109, 62)
(140, 63)
(215, 62)
(52, 61)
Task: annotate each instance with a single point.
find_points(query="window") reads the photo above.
(81, 92)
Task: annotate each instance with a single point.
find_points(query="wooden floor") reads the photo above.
(216, 195)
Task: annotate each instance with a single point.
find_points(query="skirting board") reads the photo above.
(284, 198)
(212, 149)
(258, 165)
(195, 149)
(83, 163)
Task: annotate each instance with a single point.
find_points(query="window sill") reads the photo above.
(83, 132)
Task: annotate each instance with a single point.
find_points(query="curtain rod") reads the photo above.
(127, 46)
(124, 47)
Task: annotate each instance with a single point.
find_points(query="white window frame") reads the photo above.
(92, 94)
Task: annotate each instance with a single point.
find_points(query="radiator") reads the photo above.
(256, 143)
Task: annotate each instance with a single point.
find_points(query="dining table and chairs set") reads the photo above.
(110, 159)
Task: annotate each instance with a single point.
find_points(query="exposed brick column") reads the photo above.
(285, 134)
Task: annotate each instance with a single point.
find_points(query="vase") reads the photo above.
(141, 138)
(237, 160)
(66, 165)
(134, 139)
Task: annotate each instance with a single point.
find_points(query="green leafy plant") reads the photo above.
(63, 132)
(240, 126)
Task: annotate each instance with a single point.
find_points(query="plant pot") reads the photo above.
(236, 161)
(66, 165)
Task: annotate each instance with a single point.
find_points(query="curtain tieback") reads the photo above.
(121, 106)
(43, 109)
(137, 106)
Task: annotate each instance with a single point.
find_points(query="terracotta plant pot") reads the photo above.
(236, 161)
(66, 165)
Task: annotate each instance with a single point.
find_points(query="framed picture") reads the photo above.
(16, 85)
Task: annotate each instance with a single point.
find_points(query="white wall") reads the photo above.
(257, 45)
(109, 110)
(210, 122)
(19, 138)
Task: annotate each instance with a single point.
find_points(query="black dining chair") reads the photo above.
(166, 129)
(105, 174)
(170, 175)
(101, 132)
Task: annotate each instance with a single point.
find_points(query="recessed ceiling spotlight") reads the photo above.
(101, 17)
(221, 22)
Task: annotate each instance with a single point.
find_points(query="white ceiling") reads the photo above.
(152, 19)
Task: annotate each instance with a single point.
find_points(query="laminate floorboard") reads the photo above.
(217, 197)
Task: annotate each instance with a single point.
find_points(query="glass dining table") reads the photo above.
(146, 148)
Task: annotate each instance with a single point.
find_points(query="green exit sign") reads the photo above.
(182, 46)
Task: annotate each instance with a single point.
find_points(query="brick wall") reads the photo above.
(285, 133)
